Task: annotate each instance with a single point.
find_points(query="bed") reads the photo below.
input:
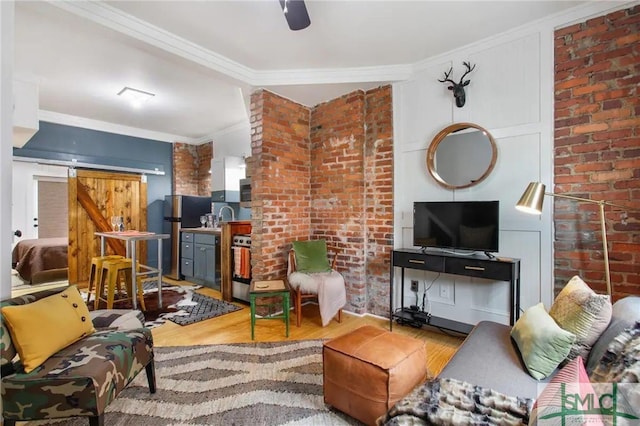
(41, 260)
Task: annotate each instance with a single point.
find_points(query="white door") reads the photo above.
(53, 207)
(25, 196)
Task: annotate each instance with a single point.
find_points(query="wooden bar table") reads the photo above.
(131, 239)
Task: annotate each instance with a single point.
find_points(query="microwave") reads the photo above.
(245, 192)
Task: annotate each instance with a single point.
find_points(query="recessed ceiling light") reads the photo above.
(135, 96)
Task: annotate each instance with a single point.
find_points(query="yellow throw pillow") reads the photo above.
(42, 328)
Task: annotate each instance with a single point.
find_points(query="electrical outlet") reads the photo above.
(414, 286)
(444, 292)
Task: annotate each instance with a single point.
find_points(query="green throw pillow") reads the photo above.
(311, 256)
(542, 343)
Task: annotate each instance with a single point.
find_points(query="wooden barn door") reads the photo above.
(93, 198)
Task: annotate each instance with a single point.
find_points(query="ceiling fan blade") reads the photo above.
(296, 14)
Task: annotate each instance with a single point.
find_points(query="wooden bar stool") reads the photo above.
(113, 272)
(95, 274)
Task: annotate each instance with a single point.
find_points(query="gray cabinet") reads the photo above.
(204, 265)
(200, 258)
(186, 255)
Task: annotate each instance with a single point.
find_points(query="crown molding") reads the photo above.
(127, 24)
(117, 20)
(385, 73)
(103, 126)
(585, 11)
(241, 125)
(558, 20)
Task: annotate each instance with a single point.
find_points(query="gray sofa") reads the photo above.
(490, 358)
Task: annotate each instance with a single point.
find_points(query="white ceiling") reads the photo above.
(202, 59)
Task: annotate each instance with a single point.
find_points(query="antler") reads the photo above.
(446, 77)
(469, 69)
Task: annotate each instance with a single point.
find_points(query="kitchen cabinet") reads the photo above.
(186, 255)
(200, 257)
(206, 268)
(226, 173)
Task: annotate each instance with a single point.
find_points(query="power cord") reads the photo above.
(424, 295)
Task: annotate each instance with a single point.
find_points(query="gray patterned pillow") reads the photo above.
(621, 362)
(581, 311)
(620, 367)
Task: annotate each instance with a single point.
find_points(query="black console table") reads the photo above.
(499, 268)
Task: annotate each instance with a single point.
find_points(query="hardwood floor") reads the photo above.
(236, 328)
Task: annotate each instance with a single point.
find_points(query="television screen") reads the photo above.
(465, 225)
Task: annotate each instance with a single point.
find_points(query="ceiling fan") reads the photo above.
(295, 12)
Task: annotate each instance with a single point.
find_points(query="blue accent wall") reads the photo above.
(60, 142)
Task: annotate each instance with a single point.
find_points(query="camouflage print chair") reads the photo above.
(82, 378)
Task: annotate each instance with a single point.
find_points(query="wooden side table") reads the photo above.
(274, 288)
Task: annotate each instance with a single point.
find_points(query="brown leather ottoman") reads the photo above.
(369, 369)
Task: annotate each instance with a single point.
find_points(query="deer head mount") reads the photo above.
(458, 88)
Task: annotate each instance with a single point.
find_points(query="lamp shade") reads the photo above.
(531, 200)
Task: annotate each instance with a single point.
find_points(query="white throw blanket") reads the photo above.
(329, 286)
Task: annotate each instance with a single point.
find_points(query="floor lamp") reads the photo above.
(531, 202)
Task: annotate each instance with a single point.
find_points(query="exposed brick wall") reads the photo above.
(185, 172)
(337, 188)
(204, 154)
(280, 182)
(191, 164)
(318, 174)
(378, 157)
(597, 148)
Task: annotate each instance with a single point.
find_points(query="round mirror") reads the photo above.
(461, 155)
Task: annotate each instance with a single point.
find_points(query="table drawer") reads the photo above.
(186, 250)
(187, 236)
(418, 261)
(479, 268)
(205, 239)
(186, 267)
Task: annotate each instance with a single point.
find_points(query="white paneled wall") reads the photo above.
(511, 95)
(505, 97)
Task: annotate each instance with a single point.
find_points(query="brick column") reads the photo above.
(280, 181)
(318, 174)
(378, 157)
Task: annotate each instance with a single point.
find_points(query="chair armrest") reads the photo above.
(121, 319)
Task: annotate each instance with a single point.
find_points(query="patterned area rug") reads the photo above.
(198, 307)
(236, 384)
(180, 304)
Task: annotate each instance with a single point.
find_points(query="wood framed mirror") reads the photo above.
(461, 155)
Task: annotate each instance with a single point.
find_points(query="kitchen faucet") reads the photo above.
(233, 214)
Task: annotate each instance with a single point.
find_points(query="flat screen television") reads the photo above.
(463, 225)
